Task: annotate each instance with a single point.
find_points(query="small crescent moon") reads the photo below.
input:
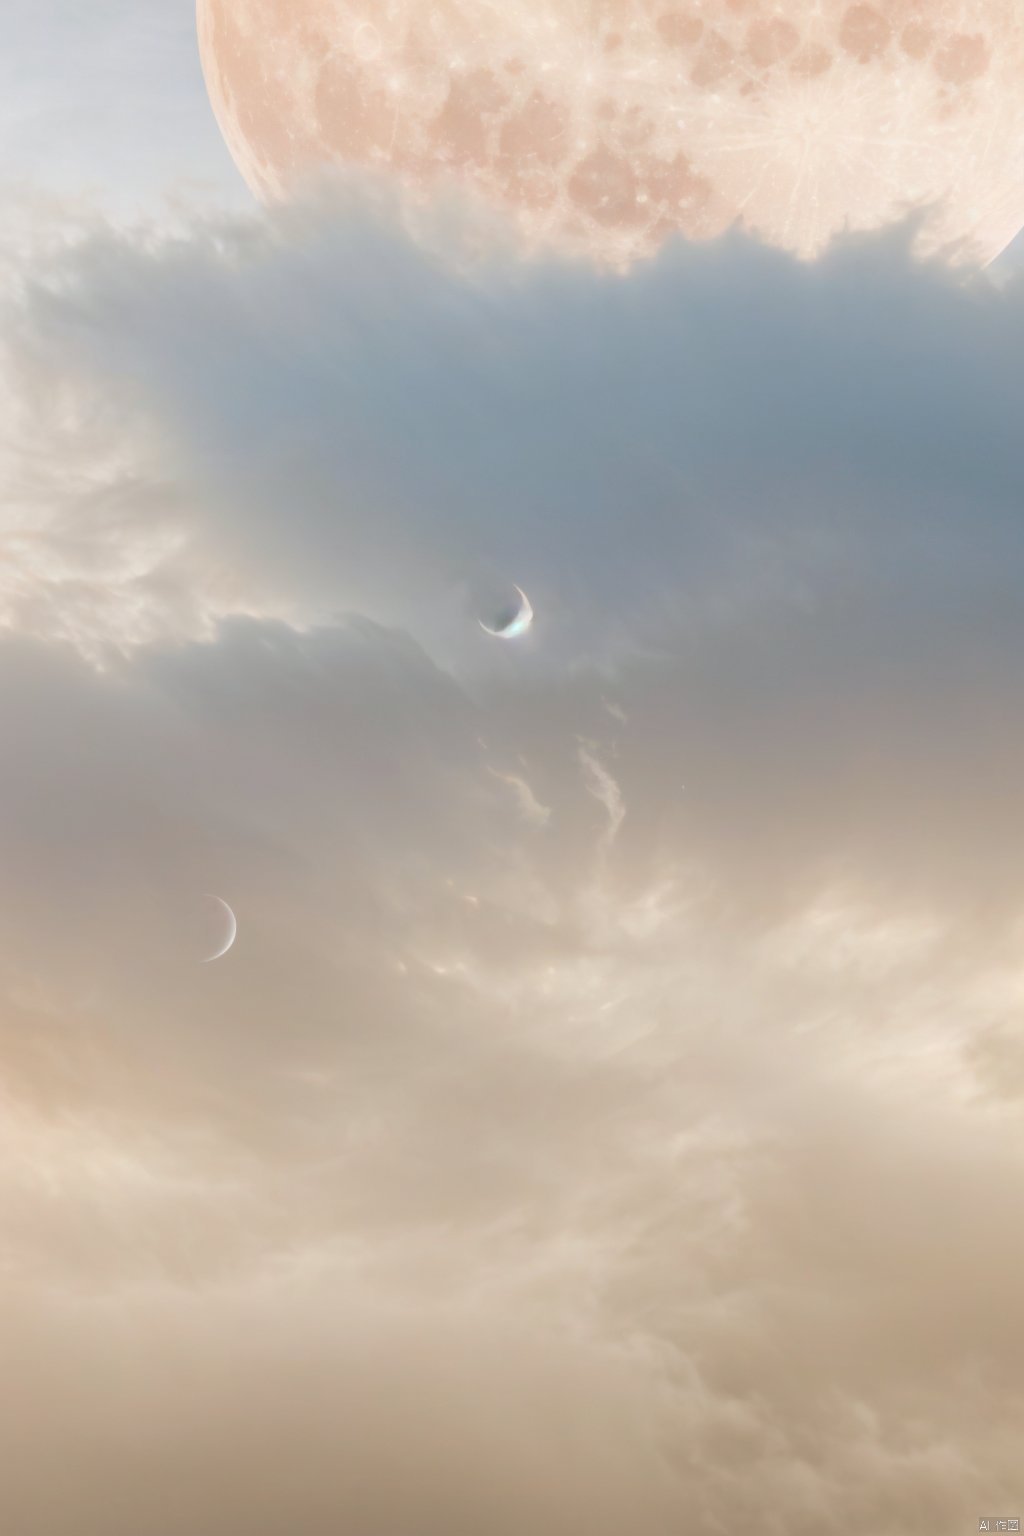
(232, 930)
(516, 626)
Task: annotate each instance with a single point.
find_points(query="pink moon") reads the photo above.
(602, 126)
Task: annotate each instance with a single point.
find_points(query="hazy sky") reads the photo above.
(608, 1118)
(107, 102)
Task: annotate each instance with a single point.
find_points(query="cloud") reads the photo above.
(557, 1148)
(604, 789)
(530, 807)
(725, 439)
(706, 1248)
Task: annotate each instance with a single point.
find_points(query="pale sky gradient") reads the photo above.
(609, 1117)
(106, 101)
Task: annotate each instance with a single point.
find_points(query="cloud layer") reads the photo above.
(607, 1117)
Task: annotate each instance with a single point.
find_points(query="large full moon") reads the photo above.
(604, 125)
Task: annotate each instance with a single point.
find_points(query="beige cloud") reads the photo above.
(318, 1238)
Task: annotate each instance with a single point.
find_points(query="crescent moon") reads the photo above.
(232, 930)
(516, 626)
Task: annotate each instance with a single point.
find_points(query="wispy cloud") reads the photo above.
(604, 789)
(530, 807)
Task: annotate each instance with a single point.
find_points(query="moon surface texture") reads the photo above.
(513, 624)
(605, 125)
(229, 927)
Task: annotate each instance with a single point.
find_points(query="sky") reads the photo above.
(608, 1117)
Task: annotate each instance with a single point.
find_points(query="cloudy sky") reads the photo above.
(608, 1118)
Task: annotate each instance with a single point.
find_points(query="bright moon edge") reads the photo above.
(232, 934)
(515, 627)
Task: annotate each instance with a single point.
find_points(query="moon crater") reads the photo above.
(604, 125)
